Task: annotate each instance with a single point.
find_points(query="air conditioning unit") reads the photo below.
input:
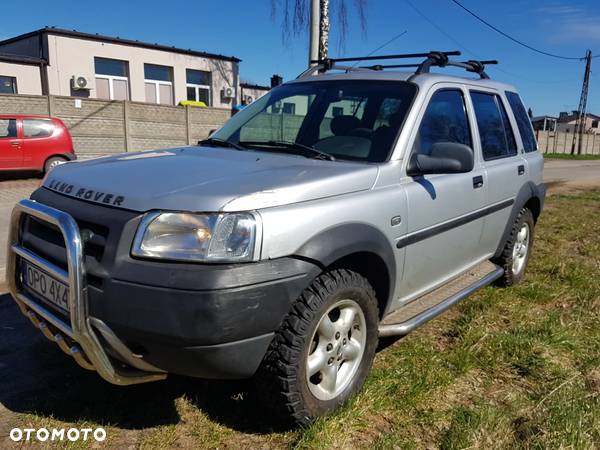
(248, 99)
(228, 92)
(80, 83)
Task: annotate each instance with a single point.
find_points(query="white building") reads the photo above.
(64, 62)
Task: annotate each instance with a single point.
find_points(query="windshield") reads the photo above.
(354, 120)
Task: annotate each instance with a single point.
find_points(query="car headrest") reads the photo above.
(342, 125)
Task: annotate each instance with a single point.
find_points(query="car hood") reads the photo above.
(207, 179)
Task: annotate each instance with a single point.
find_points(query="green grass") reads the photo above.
(506, 368)
(569, 156)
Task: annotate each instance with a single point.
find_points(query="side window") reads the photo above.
(37, 128)
(523, 122)
(445, 120)
(493, 127)
(8, 128)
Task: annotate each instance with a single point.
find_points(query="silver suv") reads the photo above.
(348, 204)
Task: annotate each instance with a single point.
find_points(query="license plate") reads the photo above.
(47, 287)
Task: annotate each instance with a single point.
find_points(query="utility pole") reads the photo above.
(581, 112)
(313, 47)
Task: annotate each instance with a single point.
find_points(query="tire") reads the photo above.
(52, 162)
(515, 255)
(306, 338)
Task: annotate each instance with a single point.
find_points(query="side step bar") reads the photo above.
(405, 325)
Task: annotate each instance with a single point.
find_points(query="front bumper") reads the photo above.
(134, 320)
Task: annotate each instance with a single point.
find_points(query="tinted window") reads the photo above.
(37, 128)
(523, 122)
(159, 73)
(197, 77)
(445, 120)
(113, 67)
(492, 127)
(8, 128)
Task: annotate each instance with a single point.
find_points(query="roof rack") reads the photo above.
(432, 59)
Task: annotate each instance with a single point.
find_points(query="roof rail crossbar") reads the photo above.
(331, 61)
(432, 59)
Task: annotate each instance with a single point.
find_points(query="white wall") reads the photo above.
(28, 77)
(70, 56)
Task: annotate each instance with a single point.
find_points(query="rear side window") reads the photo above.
(445, 120)
(497, 140)
(523, 122)
(8, 128)
(37, 128)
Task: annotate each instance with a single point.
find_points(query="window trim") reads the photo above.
(14, 83)
(111, 89)
(157, 84)
(497, 95)
(196, 87)
(469, 115)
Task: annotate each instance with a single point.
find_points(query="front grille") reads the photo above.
(101, 228)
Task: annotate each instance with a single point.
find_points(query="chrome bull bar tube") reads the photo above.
(87, 349)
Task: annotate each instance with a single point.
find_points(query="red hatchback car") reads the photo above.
(33, 143)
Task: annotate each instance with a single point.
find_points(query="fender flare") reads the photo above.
(333, 244)
(528, 191)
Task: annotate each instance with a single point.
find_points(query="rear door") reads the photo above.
(37, 142)
(503, 163)
(11, 146)
(443, 233)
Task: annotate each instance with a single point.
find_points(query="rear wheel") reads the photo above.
(321, 355)
(52, 162)
(517, 249)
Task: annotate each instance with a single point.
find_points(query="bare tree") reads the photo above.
(295, 16)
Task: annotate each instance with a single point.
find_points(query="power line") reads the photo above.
(475, 55)
(512, 38)
(384, 45)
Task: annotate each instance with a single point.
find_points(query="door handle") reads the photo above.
(15, 144)
(521, 170)
(477, 182)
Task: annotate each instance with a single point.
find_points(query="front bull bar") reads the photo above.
(78, 339)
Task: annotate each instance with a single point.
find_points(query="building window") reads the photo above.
(198, 84)
(158, 81)
(8, 85)
(112, 79)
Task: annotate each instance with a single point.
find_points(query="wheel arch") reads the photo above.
(530, 196)
(359, 247)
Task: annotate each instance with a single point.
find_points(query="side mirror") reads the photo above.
(445, 157)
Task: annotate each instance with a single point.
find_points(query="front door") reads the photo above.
(443, 231)
(11, 147)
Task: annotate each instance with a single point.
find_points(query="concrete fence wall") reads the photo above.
(562, 142)
(101, 127)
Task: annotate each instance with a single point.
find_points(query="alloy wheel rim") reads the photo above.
(336, 351)
(520, 249)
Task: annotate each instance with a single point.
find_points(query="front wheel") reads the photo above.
(321, 355)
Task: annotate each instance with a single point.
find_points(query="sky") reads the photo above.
(250, 31)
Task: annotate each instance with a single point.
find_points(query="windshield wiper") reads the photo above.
(301, 149)
(221, 143)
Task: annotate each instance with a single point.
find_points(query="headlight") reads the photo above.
(229, 237)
